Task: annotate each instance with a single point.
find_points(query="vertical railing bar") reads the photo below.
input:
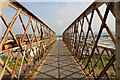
(117, 12)
(87, 34)
(25, 28)
(76, 41)
(34, 30)
(33, 35)
(82, 29)
(38, 31)
(41, 26)
(80, 32)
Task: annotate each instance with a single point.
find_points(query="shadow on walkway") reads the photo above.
(60, 65)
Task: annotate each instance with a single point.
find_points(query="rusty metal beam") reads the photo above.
(117, 8)
(37, 46)
(95, 49)
(107, 67)
(87, 11)
(25, 11)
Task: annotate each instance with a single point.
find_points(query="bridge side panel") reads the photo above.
(21, 52)
(89, 47)
(118, 40)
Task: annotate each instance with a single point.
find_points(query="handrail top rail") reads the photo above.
(16, 5)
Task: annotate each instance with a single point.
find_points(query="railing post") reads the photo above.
(117, 8)
(3, 5)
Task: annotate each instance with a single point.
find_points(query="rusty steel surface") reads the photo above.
(23, 54)
(96, 60)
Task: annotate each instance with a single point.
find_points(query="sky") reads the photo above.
(58, 15)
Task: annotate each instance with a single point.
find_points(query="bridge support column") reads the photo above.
(117, 40)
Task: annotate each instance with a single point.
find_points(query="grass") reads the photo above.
(99, 66)
(11, 62)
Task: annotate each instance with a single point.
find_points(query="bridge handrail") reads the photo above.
(23, 54)
(76, 42)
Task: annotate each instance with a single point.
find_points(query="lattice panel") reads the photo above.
(25, 40)
(89, 43)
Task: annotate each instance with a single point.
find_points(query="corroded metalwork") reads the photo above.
(97, 61)
(24, 53)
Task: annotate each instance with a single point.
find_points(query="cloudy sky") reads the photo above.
(57, 15)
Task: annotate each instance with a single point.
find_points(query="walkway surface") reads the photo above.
(60, 65)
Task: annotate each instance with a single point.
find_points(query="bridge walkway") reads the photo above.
(59, 64)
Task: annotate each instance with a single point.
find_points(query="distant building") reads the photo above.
(21, 35)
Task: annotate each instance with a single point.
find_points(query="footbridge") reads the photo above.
(80, 54)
